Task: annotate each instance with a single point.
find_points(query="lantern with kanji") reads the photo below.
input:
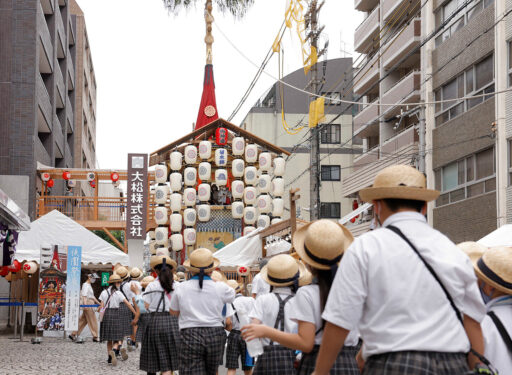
(221, 136)
(114, 176)
(30, 268)
(66, 175)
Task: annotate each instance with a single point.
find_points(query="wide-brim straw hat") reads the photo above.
(322, 243)
(181, 276)
(218, 276)
(114, 278)
(155, 260)
(234, 284)
(283, 270)
(399, 182)
(146, 280)
(495, 268)
(201, 259)
(135, 273)
(122, 272)
(473, 250)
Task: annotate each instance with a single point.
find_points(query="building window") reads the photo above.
(477, 80)
(330, 134)
(466, 178)
(332, 98)
(330, 210)
(330, 173)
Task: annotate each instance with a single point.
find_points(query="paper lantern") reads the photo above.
(278, 187)
(221, 157)
(160, 174)
(50, 183)
(189, 217)
(243, 271)
(237, 168)
(90, 176)
(189, 235)
(161, 215)
(248, 229)
(265, 183)
(92, 183)
(161, 235)
(162, 251)
(190, 154)
(177, 242)
(14, 267)
(250, 215)
(161, 193)
(277, 207)
(204, 192)
(263, 221)
(176, 202)
(221, 177)
(203, 212)
(4, 271)
(237, 189)
(151, 234)
(264, 203)
(176, 222)
(71, 183)
(176, 179)
(221, 136)
(237, 210)
(238, 146)
(251, 153)
(30, 268)
(265, 161)
(152, 247)
(45, 176)
(205, 150)
(190, 175)
(205, 171)
(276, 220)
(250, 175)
(250, 195)
(66, 175)
(189, 197)
(176, 160)
(279, 166)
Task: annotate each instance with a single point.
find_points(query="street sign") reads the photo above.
(104, 278)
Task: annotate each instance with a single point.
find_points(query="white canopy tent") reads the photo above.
(500, 237)
(55, 228)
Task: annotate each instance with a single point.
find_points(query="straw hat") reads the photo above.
(473, 250)
(495, 268)
(122, 272)
(155, 260)
(201, 259)
(283, 270)
(181, 276)
(114, 278)
(399, 182)
(145, 281)
(235, 285)
(135, 273)
(321, 243)
(218, 276)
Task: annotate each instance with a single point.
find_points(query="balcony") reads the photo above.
(403, 44)
(366, 32)
(367, 76)
(407, 90)
(44, 116)
(61, 91)
(71, 73)
(359, 228)
(366, 117)
(71, 34)
(365, 5)
(70, 122)
(408, 137)
(40, 152)
(61, 36)
(398, 9)
(45, 44)
(47, 6)
(58, 137)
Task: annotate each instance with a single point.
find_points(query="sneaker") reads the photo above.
(124, 355)
(72, 337)
(129, 344)
(113, 358)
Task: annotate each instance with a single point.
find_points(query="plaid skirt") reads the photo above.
(417, 363)
(125, 317)
(110, 327)
(141, 327)
(345, 362)
(275, 360)
(201, 350)
(236, 348)
(160, 343)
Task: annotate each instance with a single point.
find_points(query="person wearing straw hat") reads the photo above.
(140, 308)
(88, 316)
(181, 276)
(125, 315)
(236, 347)
(198, 302)
(159, 352)
(494, 272)
(135, 276)
(284, 274)
(403, 285)
(111, 329)
(320, 245)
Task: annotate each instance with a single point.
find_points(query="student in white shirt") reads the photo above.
(88, 316)
(259, 286)
(494, 272)
(198, 302)
(320, 245)
(383, 288)
(125, 315)
(141, 314)
(134, 279)
(160, 345)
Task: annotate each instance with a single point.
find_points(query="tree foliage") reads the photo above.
(118, 234)
(236, 7)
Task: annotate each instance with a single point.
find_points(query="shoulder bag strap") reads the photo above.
(108, 299)
(236, 314)
(502, 330)
(122, 291)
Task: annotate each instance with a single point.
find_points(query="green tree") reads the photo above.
(118, 234)
(235, 7)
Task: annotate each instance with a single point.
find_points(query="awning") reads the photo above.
(11, 214)
(345, 219)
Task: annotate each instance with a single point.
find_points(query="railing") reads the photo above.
(368, 114)
(365, 31)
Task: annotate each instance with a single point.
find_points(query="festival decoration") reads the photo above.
(221, 157)
(176, 180)
(176, 199)
(279, 166)
(114, 176)
(176, 222)
(189, 197)
(189, 217)
(278, 187)
(264, 203)
(221, 177)
(204, 192)
(221, 136)
(248, 230)
(237, 210)
(161, 215)
(243, 271)
(45, 176)
(237, 168)
(177, 242)
(50, 183)
(265, 183)
(176, 160)
(151, 234)
(71, 183)
(205, 150)
(250, 175)
(161, 236)
(190, 176)
(265, 161)
(91, 176)
(189, 235)
(203, 212)
(161, 193)
(66, 175)
(238, 146)
(277, 207)
(251, 153)
(250, 195)
(190, 154)
(263, 221)
(249, 215)
(237, 189)
(160, 174)
(205, 171)
(30, 268)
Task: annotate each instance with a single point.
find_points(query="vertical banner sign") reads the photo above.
(137, 196)
(104, 278)
(73, 288)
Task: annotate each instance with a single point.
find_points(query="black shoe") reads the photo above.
(72, 337)
(95, 339)
(109, 360)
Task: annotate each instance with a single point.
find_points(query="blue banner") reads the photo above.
(73, 288)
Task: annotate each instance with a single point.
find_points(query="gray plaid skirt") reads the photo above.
(345, 362)
(160, 343)
(125, 317)
(141, 327)
(417, 363)
(236, 348)
(275, 360)
(110, 327)
(201, 350)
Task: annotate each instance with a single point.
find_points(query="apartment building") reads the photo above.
(336, 147)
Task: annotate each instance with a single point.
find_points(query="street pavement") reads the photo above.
(63, 357)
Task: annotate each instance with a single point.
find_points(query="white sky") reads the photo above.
(149, 66)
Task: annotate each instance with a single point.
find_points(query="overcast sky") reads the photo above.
(149, 66)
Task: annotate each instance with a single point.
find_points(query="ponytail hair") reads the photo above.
(324, 279)
(165, 276)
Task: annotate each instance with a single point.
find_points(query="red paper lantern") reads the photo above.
(50, 183)
(4, 271)
(221, 136)
(66, 175)
(355, 206)
(114, 176)
(45, 176)
(93, 184)
(15, 267)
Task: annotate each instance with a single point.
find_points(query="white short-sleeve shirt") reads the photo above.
(240, 303)
(114, 301)
(495, 348)
(153, 296)
(266, 308)
(259, 286)
(125, 288)
(87, 291)
(383, 288)
(306, 308)
(201, 307)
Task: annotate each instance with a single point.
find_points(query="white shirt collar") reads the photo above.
(404, 216)
(283, 290)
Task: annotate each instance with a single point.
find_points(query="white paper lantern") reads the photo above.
(276, 220)
(265, 161)
(279, 166)
(250, 175)
(177, 242)
(161, 215)
(265, 183)
(176, 222)
(151, 234)
(176, 202)
(162, 251)
(90, 176)
(205, 171)
(203, 212)
(30, 268)
(190, 175)
(72, 183)
(237, 168)
(204, 192)
(45, 176)
(250, 195)
(161, 193)
(278, 187)
(189, 235)
(221, 157)
(176, 179)
(189, 197)
(251, 153)
(221, 177)
(237, 210)
(263, 221)
(205, 150)
(264, 203)
(250, 215)
(161, 235)
(238, 146)
(190, 154)
(176, 160)
(189, 217)
(248, 229)
(160, 174)
(277, 207)
(237, 189)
